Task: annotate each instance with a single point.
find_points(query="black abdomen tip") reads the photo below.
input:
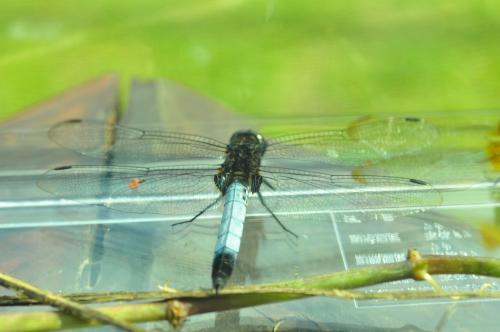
(222, 268)
(218, 284)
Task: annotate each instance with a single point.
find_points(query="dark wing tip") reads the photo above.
(55, 130)
(412, 119)
(60, 168)
(416, 181)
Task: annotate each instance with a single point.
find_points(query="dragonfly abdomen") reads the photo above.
(230, 233)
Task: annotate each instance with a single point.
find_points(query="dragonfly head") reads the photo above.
(248, 137)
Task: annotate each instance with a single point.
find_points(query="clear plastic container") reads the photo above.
(62, 245)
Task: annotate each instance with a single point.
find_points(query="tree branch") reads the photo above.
(176, 306)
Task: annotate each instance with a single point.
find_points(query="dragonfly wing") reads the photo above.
(172, 191)
(296, 191)
(99, 140)
(367, 139)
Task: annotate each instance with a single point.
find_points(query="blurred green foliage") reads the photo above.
(267, 57)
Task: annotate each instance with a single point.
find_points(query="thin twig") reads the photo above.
(334, 285)
(90, 297)
(72, 308)
(231, 298)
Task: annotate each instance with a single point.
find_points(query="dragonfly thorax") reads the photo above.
(243, 157)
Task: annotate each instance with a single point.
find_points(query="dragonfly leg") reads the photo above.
(199, 213)
(264, 181)
(261, 198)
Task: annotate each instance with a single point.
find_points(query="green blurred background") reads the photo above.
(268, 57)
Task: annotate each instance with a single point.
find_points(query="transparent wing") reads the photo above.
(97, 139)
(295, 191)
(367, 139)
(162, 190)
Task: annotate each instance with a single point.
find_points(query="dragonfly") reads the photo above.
(188, 175)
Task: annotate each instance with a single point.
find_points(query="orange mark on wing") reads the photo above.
(135, 183)
(490, 234)
(352, 129)
(493, 151)
(358, 174)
